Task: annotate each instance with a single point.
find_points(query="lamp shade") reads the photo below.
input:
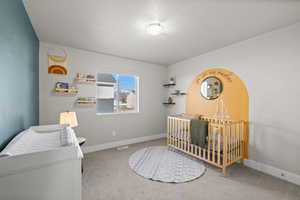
(68, 118)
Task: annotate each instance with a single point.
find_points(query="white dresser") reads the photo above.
(43, 163)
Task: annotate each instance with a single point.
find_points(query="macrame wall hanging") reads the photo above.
(57, 63)
(221, 112)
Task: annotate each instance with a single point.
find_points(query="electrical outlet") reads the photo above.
(114, 133)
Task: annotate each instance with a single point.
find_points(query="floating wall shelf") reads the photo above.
(85, 80)
(81, 102)
(86, 101)
(179, 94)
(169, 84)
(167, 103)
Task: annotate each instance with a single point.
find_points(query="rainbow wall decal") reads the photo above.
(57, 69)
(57, 65)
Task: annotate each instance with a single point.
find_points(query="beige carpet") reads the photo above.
(107, 176)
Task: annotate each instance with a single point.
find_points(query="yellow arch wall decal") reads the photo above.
(234, 95)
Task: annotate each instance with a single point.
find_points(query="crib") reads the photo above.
(224, 145)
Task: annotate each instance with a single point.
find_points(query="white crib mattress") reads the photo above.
(30, 141)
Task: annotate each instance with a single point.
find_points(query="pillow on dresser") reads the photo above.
(63, 130)
(4, 154)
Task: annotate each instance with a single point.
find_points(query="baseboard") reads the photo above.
(279, 173)
(89, 149)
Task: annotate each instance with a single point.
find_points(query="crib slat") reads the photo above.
(228, 144)
(237, 141)
(168, 131)
(175, 132)
(233, 142)
(219, 146)
(224, 149)
(241, 139)
(213, 147)
(198, 151)
(209, 142)
(240, 143)
(172, 130)
(194, 149)
(184, 135)
(179, 134)
(187, 135)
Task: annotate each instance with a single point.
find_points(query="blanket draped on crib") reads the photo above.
(199, 131)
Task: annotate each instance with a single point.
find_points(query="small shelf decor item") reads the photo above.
(170, 83)
(85, 78)
(57, 64)
(64, 88)
(169, 101)
(86, 100)
(66, 91)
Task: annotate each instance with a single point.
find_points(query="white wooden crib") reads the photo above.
(225, 143)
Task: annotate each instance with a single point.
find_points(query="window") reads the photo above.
(117, 93)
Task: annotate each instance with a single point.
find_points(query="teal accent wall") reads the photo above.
(19, 61)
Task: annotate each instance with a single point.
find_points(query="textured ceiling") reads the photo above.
(191, 27)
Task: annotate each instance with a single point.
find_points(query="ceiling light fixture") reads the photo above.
(154, 28)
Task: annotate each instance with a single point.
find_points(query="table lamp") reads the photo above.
(68, 118)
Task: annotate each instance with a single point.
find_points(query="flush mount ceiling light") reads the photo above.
(155, 28)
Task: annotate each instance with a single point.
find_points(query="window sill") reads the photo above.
(118, 113)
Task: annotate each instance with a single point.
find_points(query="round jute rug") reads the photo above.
(161, 163)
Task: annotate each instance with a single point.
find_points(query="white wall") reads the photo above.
(98, 129)
(270, 67)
